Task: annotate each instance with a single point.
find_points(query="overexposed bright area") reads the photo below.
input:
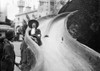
(17, 59)
(12, 7)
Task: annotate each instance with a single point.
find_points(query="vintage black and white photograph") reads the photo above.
(49, 35)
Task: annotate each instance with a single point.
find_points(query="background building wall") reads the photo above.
(20, 18)
(3, 11)
(46, 7)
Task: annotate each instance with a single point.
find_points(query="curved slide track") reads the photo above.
(59, 51)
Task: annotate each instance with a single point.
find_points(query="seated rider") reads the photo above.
(34, 32)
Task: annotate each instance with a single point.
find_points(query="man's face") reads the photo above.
(34, 25)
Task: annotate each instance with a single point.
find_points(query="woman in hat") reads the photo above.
(35, 32)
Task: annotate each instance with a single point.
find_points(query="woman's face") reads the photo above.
(34, 25)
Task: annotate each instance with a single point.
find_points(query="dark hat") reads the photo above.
(33, 21)
(8, 30)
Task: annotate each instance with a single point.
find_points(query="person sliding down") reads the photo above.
(34, 32)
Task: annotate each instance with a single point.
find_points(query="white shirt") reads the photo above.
(33, 31)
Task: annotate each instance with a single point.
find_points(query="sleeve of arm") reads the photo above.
(24, 60)
(30, 32)
(39, 33)
(13, 52)
(29, 57)
(7, 52)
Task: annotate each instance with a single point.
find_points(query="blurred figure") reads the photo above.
(35, 32)
(8, 59)
(1, 52)
(2, 36)
(24, 27)
(17, 33)
(10, 34)
(27, 58)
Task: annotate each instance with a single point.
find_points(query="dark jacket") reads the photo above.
(9, 53)
(23, 46)
(1, 50)
(1, 53)
(8, 58)
(37, 35)
(28, 59)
